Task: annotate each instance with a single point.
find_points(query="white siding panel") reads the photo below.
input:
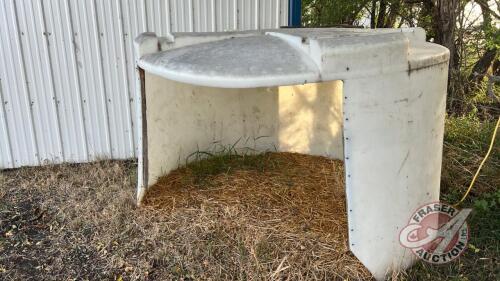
(5, 150)
(283, 13)
(15, 89)
(62, 68)
(90, 70)
(67, 69)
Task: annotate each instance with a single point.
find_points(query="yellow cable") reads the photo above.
(481, 165)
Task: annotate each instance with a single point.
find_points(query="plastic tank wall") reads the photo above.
(67, 69)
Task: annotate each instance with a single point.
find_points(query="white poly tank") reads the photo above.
(372, 98)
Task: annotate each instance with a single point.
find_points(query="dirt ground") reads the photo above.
(277, 216)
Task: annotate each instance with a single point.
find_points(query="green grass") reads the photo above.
(466, 142)
(225, 160)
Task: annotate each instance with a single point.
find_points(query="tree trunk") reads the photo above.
(381, 14)
(496, 68)
(482, 65)
(445, 15)
(373, 14)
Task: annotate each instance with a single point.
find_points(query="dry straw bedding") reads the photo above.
(283, 219)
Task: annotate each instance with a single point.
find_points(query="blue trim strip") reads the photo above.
(294, 13)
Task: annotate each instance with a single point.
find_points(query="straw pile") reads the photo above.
(283, 215)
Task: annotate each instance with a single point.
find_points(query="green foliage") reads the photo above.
(323, 13)
(488, 202)
(490, 30)
(492, 37)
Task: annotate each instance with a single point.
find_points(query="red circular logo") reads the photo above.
(436, 233)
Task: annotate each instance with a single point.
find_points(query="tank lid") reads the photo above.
(285, 56)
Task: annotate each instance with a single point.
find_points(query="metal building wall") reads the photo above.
(67, 69)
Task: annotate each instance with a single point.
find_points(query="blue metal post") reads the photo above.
(294, 13)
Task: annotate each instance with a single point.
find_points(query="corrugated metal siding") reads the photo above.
(67, 69)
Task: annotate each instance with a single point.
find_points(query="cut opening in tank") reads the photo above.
(183, 119)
